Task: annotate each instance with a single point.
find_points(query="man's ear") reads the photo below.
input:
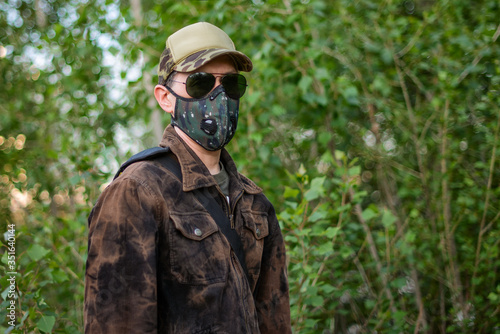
(163, 96)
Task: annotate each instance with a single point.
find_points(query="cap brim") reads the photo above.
(200, 58)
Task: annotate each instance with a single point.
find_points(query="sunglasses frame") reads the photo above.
(235, 91)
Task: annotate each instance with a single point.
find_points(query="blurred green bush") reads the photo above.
(371, 125)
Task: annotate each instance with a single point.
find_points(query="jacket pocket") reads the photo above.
(256, 229)
(257, 223)
(197, 253)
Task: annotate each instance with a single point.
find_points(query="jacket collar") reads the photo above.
(194, 172)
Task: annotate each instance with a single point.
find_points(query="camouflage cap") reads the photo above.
(195, 45)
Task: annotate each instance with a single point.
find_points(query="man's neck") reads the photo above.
(209, 158)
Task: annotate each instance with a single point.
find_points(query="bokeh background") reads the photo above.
(373, 126)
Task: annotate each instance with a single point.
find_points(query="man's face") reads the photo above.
(218, 67)
(199, 119)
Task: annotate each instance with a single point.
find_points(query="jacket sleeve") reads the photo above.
(120, 277)
(271, 294)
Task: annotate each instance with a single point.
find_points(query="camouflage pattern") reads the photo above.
(192, 115)
(165, 67)
(157, 262)
(198, 59)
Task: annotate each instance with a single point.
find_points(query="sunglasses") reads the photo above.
(200, 84)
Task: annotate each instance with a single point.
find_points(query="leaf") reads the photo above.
(399, 316)
(60, 276)
(74, 179)
(327, 288)
(368, 214)
(37, 252)
(346, 252)
(324, 138)
(5, 258)
(289, 192)
(388, 218)
(316, 189)
(351, 94)
(339, 155)
(277, 110)
(317, 215)
(331, 232)
(410, 236)
(356, 170)
(310, 323)
(370, 304)
(315, 301)
(386, 56)
(46, 323)
(305, 84)
(493, 297)
(382, 85)
(398, 282)
(324, 249)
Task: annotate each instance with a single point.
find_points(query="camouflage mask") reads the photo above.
(210, 121)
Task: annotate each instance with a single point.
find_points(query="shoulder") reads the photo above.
(142, 171)
(150, 173)
(132, 194)
(139, 180)
(249, 186)
(260, 202)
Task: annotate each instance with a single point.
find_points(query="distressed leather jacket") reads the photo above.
(157, 262)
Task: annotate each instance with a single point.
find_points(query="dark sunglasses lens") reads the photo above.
(235, 85)
(199, 84)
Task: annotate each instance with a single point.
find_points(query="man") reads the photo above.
(158, 260)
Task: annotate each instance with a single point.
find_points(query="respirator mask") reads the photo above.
(210, 120)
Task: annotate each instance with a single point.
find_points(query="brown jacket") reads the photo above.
(157, 262)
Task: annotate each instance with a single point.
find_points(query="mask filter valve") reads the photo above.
(209, 126)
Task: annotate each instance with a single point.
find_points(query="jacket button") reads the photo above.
(198, 232)
(257, 231)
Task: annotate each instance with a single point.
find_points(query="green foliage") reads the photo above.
(372, 126)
